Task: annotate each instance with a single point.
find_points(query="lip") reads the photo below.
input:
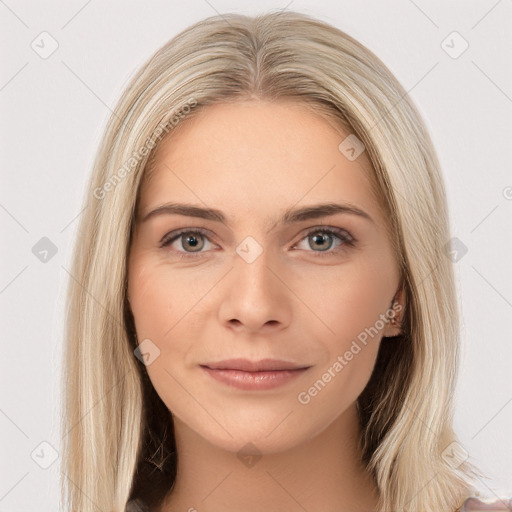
(254, 375)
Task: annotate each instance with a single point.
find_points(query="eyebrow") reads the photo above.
(289, 217)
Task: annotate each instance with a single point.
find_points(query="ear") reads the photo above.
(395, 313)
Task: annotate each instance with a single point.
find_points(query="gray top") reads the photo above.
(136, 506)
(471, 503)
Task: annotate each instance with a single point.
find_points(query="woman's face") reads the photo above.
(256, 272)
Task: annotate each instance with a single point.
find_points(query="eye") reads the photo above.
(323, 238)
(193, 239)
(189, 243)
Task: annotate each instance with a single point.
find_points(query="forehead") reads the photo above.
(257, 157)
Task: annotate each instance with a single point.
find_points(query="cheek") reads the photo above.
(158, 317)
(146, 299)
(164, 306)
(153, 301)
(356, 296)
(352, 306)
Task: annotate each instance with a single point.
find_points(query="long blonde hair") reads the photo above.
(118, 441)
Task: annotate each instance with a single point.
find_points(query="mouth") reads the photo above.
(254, 375)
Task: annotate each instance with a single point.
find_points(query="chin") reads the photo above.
(252, 442)
(264, 434)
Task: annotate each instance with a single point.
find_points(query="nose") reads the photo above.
(255, 297)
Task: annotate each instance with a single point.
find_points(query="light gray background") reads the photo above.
(53, 112)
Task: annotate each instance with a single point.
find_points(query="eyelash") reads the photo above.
(346, 238)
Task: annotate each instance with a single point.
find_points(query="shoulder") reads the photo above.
(474, 504)
(470, 504)
(136, 506)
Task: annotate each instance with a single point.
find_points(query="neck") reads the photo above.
(325, 473)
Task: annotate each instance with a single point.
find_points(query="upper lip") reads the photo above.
(254, 366)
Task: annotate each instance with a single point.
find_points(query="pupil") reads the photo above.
(322, 239)
(192, 240)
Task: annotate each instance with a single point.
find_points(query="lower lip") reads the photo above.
(254, 380)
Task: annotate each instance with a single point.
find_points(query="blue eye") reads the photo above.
(196, 240)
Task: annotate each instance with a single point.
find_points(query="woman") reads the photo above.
(263, 314)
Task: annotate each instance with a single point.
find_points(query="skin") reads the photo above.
(253, 160)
